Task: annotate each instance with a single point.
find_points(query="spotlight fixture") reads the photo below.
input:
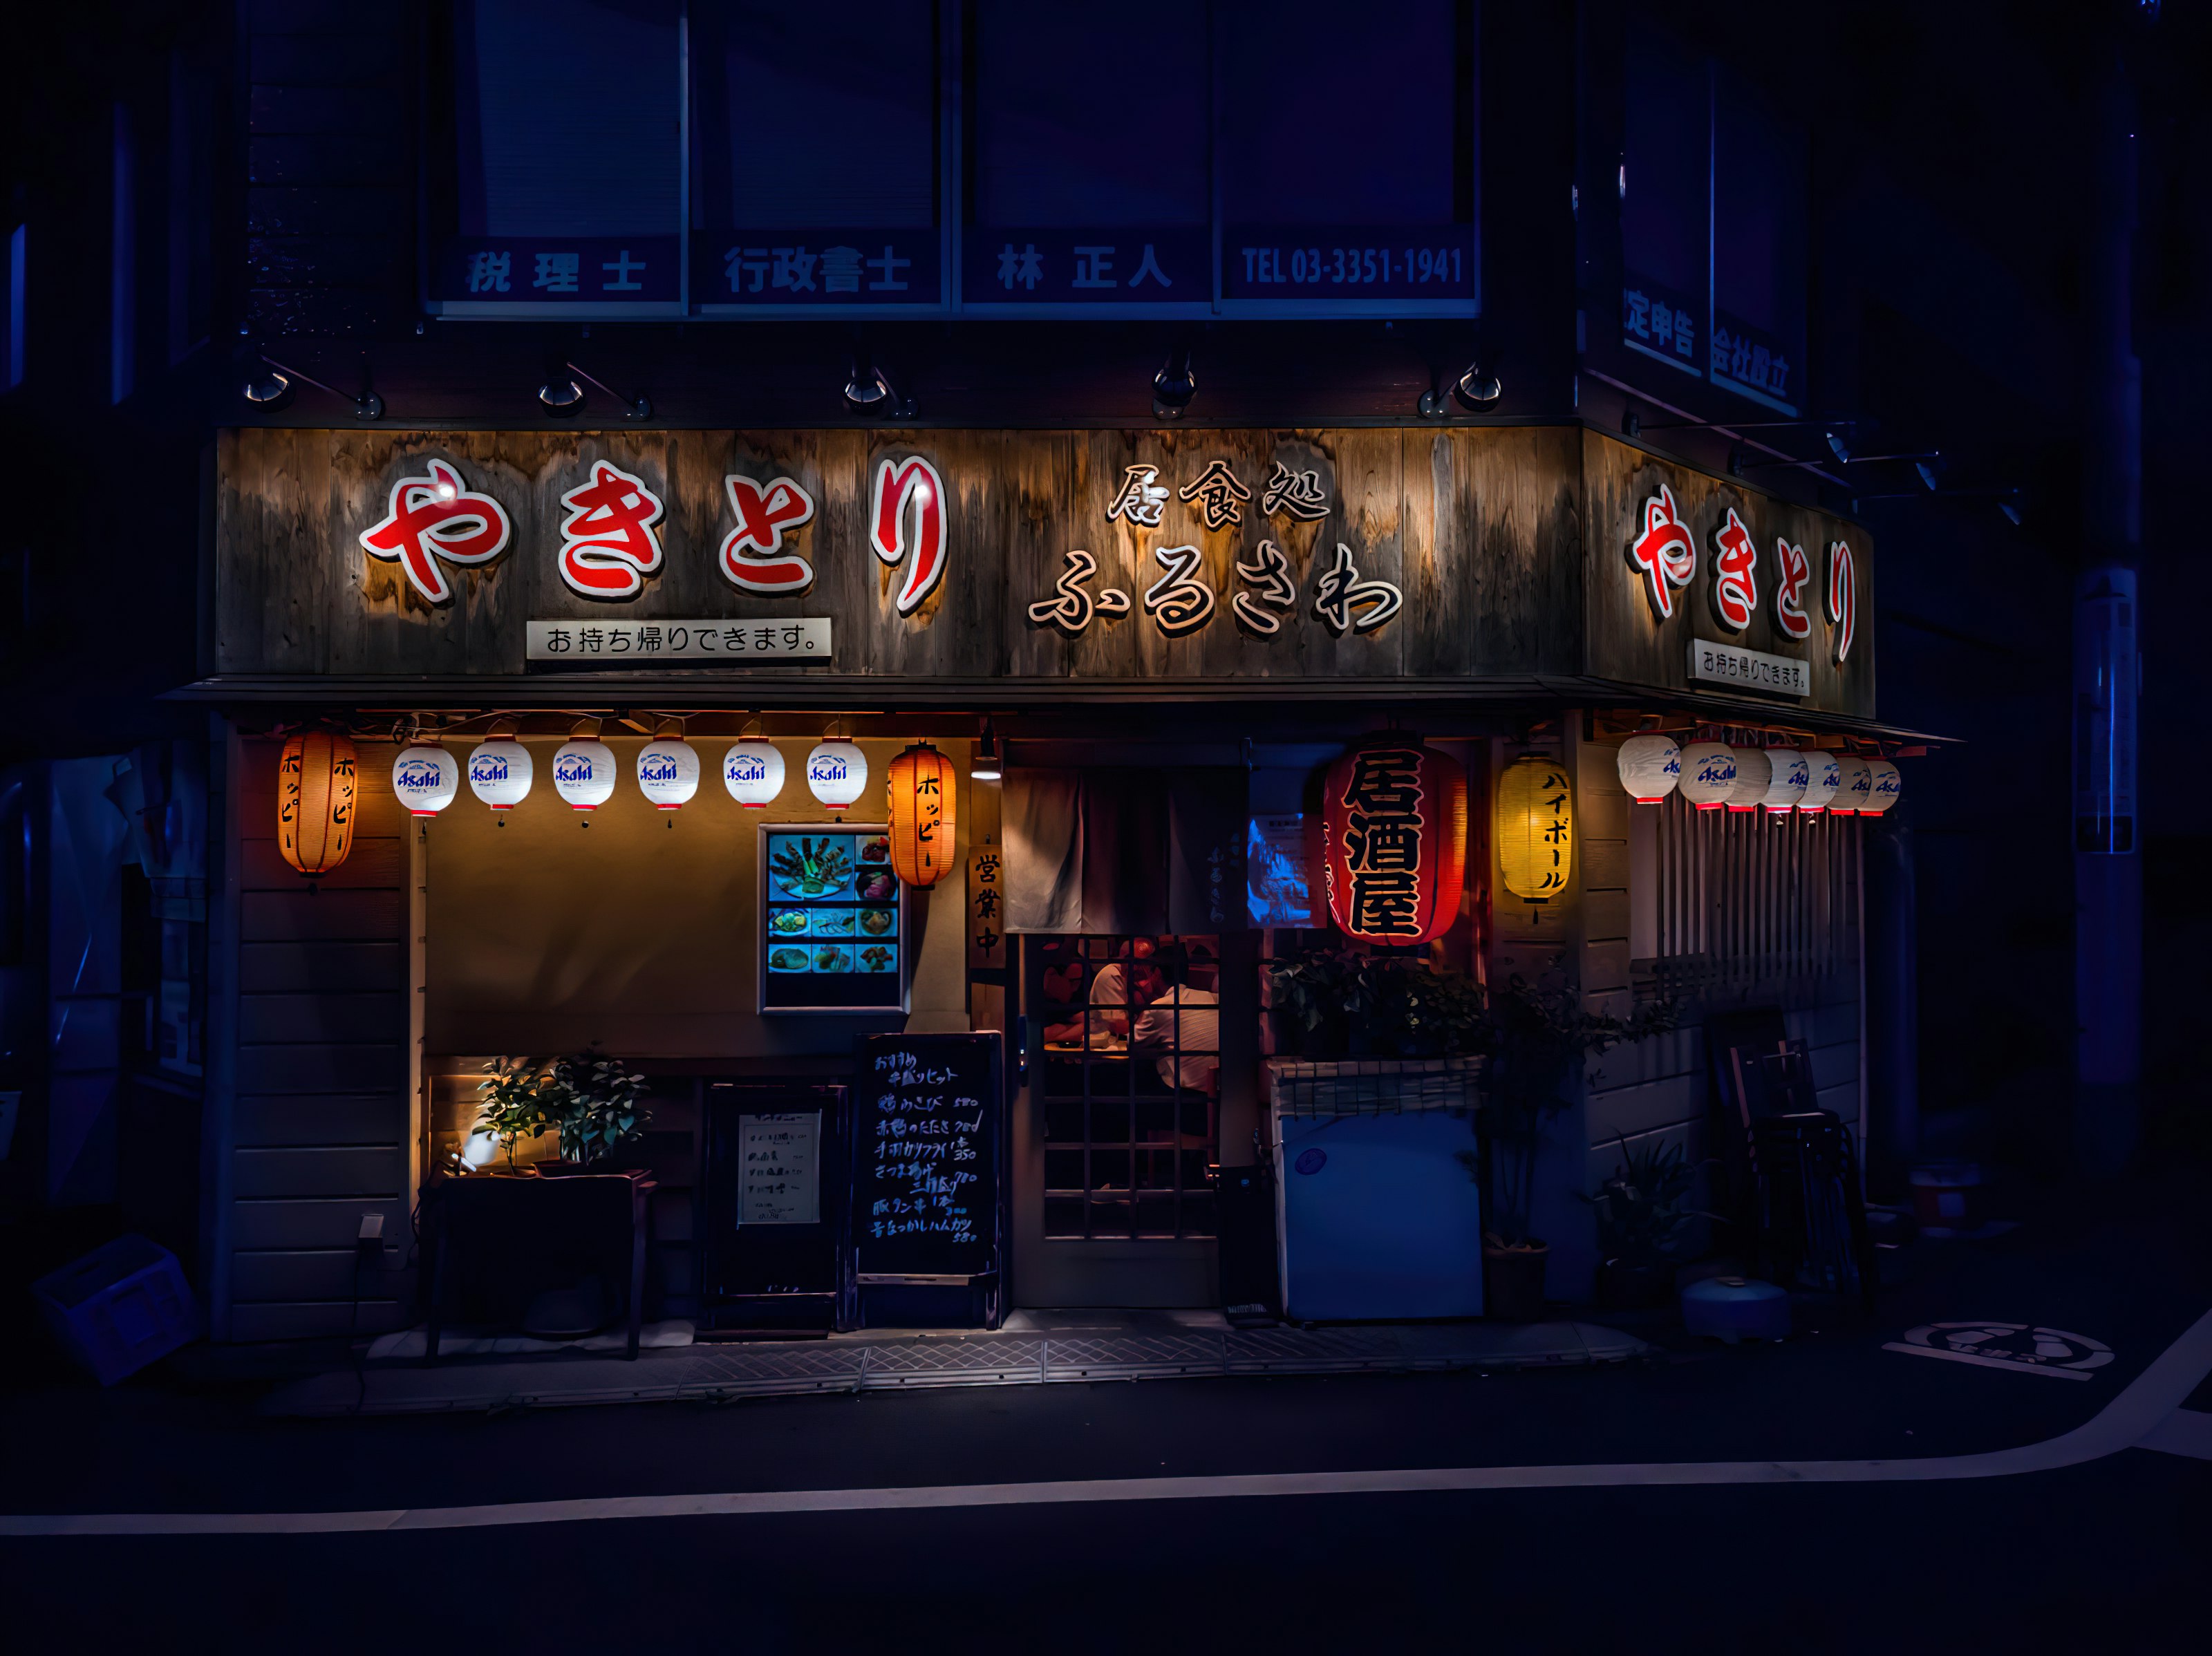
(1930, 471)
(1838, 446)
(1478, 390)
(562, 393)
(986, 765)
(869, 390)
(2011, 501)
(1174, 386)
(2014, 505)
(267, 383)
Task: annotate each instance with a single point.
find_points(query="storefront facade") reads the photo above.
(1163, 637)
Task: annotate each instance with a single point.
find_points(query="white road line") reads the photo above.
(2183, 1432)
(2013, 1363)
(2141, 1410)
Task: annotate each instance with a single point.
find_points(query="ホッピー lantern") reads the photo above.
(584, 774)
(1787, 785)
(1535, 829)
(425, 779)
(1823, 775)
(498, 772)
(920, 788)
(668, 772)
(316, 783)
(752, 770)
(836, 772)
(1754, 773)
(1393, 841)
(1708, 773)
(1650, 766)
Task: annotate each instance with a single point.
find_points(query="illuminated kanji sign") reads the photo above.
(1273, 594)
(1793, 573)
(1393, 835)
(1297, 494)
(434, 520)
(1176, 601)
(608, 546)
(1342, 599)
(1141, 499)
(909, 526)
(1663, 551)
(753, 558)
(1073, 606)
(1735, 574)
(1842, 599)
(1217, 492)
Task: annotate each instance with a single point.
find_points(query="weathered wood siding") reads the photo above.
(321, 1122)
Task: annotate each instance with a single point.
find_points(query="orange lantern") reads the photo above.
(921, 814)
(316, 782)
(1393, 841)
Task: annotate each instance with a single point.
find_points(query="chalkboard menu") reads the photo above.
(833, 921)
(926, 1144)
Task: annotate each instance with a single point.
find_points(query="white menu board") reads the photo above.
(779, 1181)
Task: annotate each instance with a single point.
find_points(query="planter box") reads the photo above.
(1373, 1086)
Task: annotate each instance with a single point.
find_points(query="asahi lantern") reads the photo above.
(923, 814)
(753, 772)
(425, 779)
(1535, 829)
(668, 772)
(584, 774)
(498, 772)
(1754, 771)
(1823, 775)
(1888, 783)
(1856, 788)
(836, 774)
(1393, 841)
(1708, 774)
(1650, 766)
(317, 780)
(1787, 785)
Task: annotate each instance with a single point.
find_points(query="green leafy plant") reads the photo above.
(600, 1105)
(1337, 1003)
(513, 1102)
(1643, 1212)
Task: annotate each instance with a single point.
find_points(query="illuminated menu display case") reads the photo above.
(833, 919)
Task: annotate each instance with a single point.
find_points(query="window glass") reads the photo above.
(1759, 171)
(1663, 183)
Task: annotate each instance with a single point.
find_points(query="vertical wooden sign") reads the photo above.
(987, 909)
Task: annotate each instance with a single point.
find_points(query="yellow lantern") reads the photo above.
(1535, 829)
(920, 786)
(316, 782)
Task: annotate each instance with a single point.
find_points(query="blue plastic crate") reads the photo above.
(119, 1308)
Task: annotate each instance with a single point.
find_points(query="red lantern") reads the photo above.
(920, 784)
(1393, 841)
(316, 779)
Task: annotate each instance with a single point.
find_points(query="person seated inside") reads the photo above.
(1118, 992)
(1183, 1022)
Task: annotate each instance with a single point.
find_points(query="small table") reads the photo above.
(498, 1238)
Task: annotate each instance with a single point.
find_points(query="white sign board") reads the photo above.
(778, 1182)
(596, 642)
(1749, 670)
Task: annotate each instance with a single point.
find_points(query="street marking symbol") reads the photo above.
(2017, 1346)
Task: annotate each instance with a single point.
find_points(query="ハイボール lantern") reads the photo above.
(584, 774)
(1708, 773)
(836, 772)
(426, 779)
(1393, 841)
(1753, 772)
(1787, 785)
(1649, 768)
(316, 781)
(1855, 789)
(498, 772)
(1888, 783)
(920, 784)
(753, 772)
(668, 772)
(1535, 829)
(1823, 775)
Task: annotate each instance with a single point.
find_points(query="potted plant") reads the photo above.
(1643, 1217)
(1367, 1030)
(591, 1102)
(513, 1102)
(1537, 1037)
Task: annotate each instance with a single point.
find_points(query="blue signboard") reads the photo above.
(829, 269)
(1394, 261)
(1168, 265)
(1752, 363)
(1656, 321)
(556, 271)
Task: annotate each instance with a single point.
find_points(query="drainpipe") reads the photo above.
(1891, 941)
(2107, 670)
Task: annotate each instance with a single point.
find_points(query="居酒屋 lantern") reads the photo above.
(500, 772)
(836, 772)
(752, 770)
(1888, 783)
(316, 779)
(1854, 788)
(668, 772)
(923, 814)
(1823, 775)
(425, 779)
(584, 774)
(1535, 829)
(1753, 772)
(1649, 768)
(1708, 773)
(1787, 785)
(1393, 841)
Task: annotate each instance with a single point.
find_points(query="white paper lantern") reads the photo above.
(1856, 788)
(1888, 783)
(500, 772)
(1650, 766)
(1791, 773)
(584, 774)
(426, 779)
(837, 771)
(668, 772)
(1823, 775)
(753, 772)
(1708, 773)
(1753, 772)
